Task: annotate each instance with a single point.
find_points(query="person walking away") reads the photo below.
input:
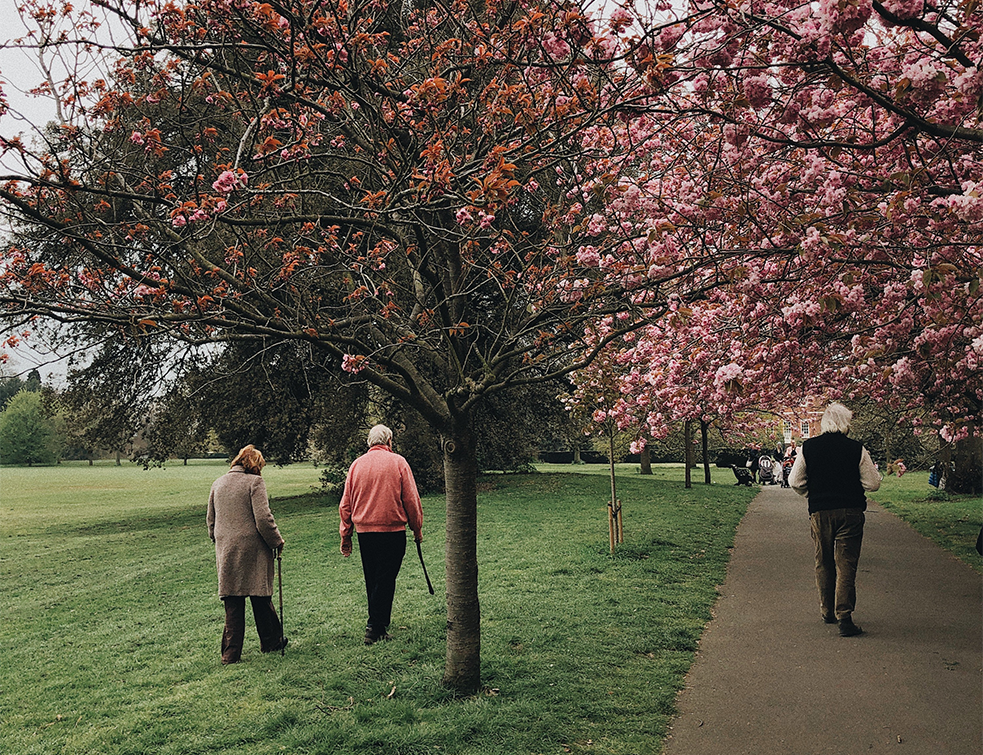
(833, 472)
(380, 500)
(246, 539)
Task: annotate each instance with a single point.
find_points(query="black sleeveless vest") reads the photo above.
(833, 472)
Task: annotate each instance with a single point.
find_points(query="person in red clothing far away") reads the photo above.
(379, 502)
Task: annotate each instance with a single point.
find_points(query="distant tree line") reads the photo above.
(277, 398)
(294, 409)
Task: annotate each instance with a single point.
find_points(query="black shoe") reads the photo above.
(279, 646)
(372, 636)
(829, 618)
(849, 629)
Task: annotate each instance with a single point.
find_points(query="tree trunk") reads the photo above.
(462, 669)
(576, 454)
(967, 473)
(646, 461)
(704, 428)
(688, 454)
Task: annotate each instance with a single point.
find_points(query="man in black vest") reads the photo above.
(833, 472)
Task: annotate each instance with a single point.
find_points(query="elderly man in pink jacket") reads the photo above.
(379, 501)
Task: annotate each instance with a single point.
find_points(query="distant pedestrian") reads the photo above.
(379, 501)
(752, 465)
(833, 472)
(246, 539)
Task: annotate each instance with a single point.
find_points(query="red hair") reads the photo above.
(250, 458)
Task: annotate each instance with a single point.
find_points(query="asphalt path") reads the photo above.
(771, 678)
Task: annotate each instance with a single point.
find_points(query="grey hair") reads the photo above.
(836, 419)
(380, 435)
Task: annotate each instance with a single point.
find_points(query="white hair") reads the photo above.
(380, 435)
(836, 419)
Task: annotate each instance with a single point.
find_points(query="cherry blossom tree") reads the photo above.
(697, 366)
(828, 158)
(379, 183)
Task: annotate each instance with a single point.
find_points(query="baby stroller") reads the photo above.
(787, 470)
(766, 470)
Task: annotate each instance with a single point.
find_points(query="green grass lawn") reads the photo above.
(112, 623)
(952, 521)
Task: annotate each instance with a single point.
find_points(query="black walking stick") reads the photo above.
(279, 579)
(419, 551)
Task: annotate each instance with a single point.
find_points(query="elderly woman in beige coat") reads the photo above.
(246, 539)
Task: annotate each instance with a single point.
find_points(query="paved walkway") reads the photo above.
(770, 678)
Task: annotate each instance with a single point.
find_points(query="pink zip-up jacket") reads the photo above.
(380, 495)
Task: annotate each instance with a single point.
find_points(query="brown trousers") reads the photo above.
(838, 535)
(267, 625)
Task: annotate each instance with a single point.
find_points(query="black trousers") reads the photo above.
(267, 625)
(382, 556)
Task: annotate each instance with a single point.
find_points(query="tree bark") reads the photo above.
(462, 669)
(646, 461)
(967, 472)
(688, 457)
(704, 429)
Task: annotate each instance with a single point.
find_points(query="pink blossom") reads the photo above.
(588, 256)
(463, 216)
(555, 47)
(137, 138)
(596, 225)
(905, 8)
(228, 181)
(354, 363)
(758, 91)
(845, 16)
(620, 19)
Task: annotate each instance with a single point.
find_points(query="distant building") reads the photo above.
(801, 422)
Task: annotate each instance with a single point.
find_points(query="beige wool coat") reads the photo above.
(245, 534)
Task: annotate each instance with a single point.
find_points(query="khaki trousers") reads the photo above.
(838, 535)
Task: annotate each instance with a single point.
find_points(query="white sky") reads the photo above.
(17, 74)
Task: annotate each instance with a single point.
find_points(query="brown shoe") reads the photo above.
(849, 629)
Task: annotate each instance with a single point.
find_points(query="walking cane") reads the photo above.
(419, 550)
(279, 579)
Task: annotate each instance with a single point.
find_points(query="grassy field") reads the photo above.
(952, 521)
(112, 623)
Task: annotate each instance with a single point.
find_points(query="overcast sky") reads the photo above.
(19, 73)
